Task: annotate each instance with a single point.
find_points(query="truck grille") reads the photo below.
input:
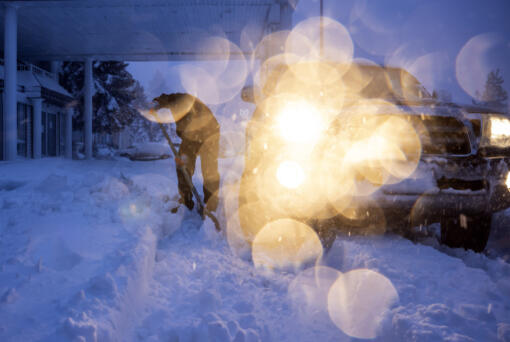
(442, 134)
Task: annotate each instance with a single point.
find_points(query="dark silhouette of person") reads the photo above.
(200, 134)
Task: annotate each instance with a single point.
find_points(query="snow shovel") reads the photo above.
(202, 210)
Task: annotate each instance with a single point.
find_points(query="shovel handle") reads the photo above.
(202, 210)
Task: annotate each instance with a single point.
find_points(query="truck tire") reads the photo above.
(327, 231)
(472, 234)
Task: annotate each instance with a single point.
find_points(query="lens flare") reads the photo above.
(301, 201)
(427, 68)
(382, 149)
(508, 181)
(304, 40)
(290, 174)
(311, 100)
(272, 44)
(216, 82)
(399, 147)
(356, 78)
(199, 82)
(308, 292)
(236, 237)
(285, 244)
(231, 144)
(373, 31)
(336, 179)
(358, 302)
(268, 75)
(249, 37)
(215, 46)
(300, 122)
(472, 63)
(252, 218)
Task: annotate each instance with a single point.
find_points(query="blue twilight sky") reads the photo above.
(449, 45)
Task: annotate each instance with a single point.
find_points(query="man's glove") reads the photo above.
(181, 161)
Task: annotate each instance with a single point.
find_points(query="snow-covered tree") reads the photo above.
(494, 95)
(114, 93)
(141, 129)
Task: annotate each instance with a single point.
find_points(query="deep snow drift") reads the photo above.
(90, 252)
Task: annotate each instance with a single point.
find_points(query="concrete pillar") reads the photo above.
(10, 68)
(69, 133)
(37, 124)
(87, 117)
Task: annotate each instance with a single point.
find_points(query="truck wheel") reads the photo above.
(327, 238)
(473, 233)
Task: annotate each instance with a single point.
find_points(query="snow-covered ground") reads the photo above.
(90, 252)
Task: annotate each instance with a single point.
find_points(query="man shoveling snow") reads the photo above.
(200, 134)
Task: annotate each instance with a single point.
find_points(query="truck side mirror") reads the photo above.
(248, 94)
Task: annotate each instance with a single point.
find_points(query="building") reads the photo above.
(43, 113)
(34, 106)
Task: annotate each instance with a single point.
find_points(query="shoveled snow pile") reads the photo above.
(90, 252)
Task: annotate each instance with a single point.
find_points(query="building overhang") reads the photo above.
(141, 30)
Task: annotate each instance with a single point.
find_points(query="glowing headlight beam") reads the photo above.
(508, 181)
(500, 128)
(300, 122)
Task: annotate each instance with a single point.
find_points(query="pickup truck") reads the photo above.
(364, 148)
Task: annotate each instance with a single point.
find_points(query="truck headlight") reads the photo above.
(496, 132)
(300, 122)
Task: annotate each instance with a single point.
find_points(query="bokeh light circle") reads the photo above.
(304, 41)
(473, 63)
(358, 302)
(308, 291)
(217, 81)
(287, 245)
(290, 174)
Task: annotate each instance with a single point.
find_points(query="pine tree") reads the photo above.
(494, 95)
(141, 129)
(442, 95)
(114, 93)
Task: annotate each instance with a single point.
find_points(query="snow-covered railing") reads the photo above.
(34, 69)
(40, 71)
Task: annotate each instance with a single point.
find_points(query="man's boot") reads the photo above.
(188, 202)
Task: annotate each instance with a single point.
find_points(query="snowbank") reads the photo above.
(74, 265)
(90, 252)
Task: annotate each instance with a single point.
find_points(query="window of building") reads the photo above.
(49, 136)
(1, 125)
(24, 126)
(44, 149)
(62, 130)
